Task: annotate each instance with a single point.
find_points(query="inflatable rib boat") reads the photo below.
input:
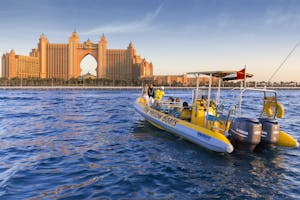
(208, 124)
(192, 132)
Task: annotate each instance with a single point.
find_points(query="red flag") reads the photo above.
(241, 74)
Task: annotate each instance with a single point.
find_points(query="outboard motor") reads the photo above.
(245, 133)
(270, 131)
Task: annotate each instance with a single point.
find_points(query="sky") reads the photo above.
(177, 36)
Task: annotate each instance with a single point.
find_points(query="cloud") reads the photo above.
(142, 25)
(282, 17)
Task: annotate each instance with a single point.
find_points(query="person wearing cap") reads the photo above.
(159, 94)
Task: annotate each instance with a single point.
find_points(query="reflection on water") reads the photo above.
(92, 144)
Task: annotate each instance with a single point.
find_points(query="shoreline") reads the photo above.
(120, 88)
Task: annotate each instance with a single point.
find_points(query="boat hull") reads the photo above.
(201, 136)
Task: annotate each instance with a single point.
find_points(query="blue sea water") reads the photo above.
(91, 144)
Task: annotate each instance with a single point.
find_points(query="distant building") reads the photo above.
(52, 60)
(180, 80)
(170, 79)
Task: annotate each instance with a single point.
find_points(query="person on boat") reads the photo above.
(145, 93)
(145, 89)
(151, 91)
(185, 105)
(159, 93)
(186, 111)
(151, 94)
(171, 99)
(213, 104)
(177, 109)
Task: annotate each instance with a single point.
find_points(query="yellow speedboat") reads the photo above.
(208, 124)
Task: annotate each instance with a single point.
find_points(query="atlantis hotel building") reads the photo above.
(52, 60)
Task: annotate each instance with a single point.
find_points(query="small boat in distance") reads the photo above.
(214, 125)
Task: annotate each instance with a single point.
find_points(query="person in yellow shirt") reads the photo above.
(159, 94)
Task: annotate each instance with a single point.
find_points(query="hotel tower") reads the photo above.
(50, 60)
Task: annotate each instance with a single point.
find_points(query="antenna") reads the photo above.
(278, 68)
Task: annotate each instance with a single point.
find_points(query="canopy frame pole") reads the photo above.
(240, 100)
(209, 90)
(197, 88)
(208, 99)
(219, 91)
